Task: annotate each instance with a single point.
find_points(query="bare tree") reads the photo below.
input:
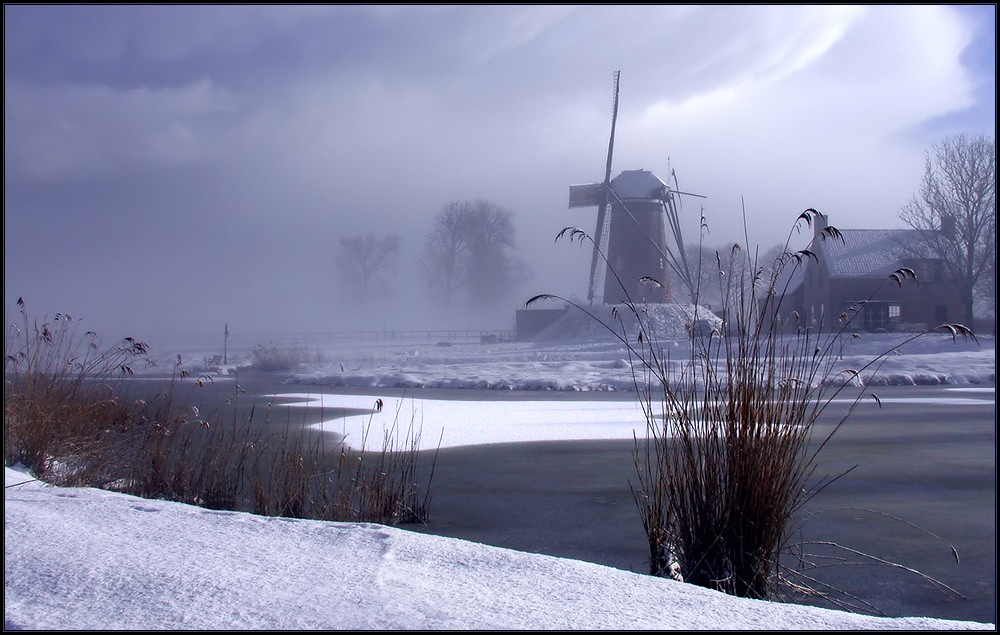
(365, 260)
(446, 250)
(723, 272)
(471, 248)
(955, 213)
(494, 270)
(987, 291)
(705, 277)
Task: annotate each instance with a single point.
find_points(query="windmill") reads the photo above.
(630, 243)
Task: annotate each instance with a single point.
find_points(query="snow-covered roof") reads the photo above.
(866, 253)
(638, 184)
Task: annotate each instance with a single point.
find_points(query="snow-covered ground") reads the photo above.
(437, 422)
(577, 357)
(579, 354)
(91, 559)
(78, 559)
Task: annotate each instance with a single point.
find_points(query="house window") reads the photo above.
(894, 312)
(872, 316)
(941, 313)
(876, 317)
(928, 269)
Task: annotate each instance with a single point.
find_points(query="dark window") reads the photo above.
(938, 269)
(941, 313)
(875, 317)
(928, 270)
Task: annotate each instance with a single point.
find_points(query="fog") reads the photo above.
(171, 169)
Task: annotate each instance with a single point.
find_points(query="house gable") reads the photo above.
(865, 253)
(853, 275)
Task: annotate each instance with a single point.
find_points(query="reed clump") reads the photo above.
(272, 358)
(282, 470)
(729, 456)
(74, 418)
(62, 398)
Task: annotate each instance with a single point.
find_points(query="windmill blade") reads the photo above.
(680, 263)
(601, 235)
(677, 261)
(671, 207)
(611, 142)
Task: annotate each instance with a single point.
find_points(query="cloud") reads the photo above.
(190, 123)
(92, 129)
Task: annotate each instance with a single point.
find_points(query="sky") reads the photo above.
(174, 169)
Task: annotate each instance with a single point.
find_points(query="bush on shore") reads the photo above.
(74, 419)
(729, 455)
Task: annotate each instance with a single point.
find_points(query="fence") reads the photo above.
(237, 343)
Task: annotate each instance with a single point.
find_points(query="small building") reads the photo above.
(530, 322)
(853, 274)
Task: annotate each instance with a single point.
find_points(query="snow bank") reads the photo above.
(606, 322)
(87, 559)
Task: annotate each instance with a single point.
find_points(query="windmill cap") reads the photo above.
(638, 184)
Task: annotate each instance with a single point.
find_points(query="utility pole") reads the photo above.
(225, 345)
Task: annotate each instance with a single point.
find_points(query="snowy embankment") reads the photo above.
(88, 559)
(578, 353)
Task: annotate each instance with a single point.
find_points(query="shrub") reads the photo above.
(69, 417)
(284, 471)
(728, 459)
(63, 401)
(274, 359)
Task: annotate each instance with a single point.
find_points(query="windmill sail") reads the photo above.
(601, 235)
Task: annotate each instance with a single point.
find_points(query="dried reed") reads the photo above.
(69, 417)
(729, 455)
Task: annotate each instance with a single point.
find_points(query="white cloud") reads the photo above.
(354, 118)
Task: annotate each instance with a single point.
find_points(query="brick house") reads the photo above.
(855, 273)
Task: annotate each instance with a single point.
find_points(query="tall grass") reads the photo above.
(271, 358)
(729, 456)
(283, 470)
(71, 416)
(62, 398)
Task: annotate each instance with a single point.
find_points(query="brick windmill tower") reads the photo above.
(633, 259)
